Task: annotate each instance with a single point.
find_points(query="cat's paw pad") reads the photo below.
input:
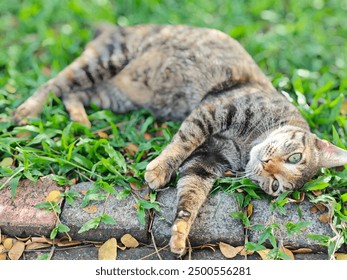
(157, 174)
(178, 238)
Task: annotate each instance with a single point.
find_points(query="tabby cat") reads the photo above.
(232, 117)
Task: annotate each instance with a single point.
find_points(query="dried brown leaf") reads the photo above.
(129, 241)
(108, 250)
(313, 209)
(24, 239)
(17, 250)
(208, 246)
(324, 218)
(67, 243)
(8, 243)
(121, 247)
(54, 196)
(288, 253)
(264, 254)
(23, 134)
(317, 192)
(244, 252)
(35, 245)
(249, 210)
(302, 251)
(340, 256)
(229, 251)
(90, 209)
(131, 149)
(2, 249)
(38, 240)
(102, 134)
(147, 136)
(84, 192)
(321, 207)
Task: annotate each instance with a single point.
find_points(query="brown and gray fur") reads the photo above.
(232, 117)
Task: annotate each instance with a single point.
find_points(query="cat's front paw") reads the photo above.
(158, 174)
(178, 237)
(30, 108)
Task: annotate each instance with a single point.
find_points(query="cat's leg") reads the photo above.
(102, 59)
(105, 95)
(210, 117)
(197, 176)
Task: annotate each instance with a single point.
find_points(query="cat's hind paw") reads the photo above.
(157, 174)
(178, 238)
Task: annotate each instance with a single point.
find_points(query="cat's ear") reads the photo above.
(330, 155)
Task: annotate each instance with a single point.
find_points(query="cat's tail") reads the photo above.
(102, 58)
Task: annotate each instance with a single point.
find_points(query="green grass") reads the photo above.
(300, 45)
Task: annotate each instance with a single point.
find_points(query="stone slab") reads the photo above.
(122, 210)
(263, 215)
(212, 224)
(19, 217)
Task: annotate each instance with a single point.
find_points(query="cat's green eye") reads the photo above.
(295, 158)
(275, 185)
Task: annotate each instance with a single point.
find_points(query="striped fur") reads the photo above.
(232, 117)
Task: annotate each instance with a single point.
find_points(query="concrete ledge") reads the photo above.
(19, 217)
(122, 210)
(263, 215)
(212, 224)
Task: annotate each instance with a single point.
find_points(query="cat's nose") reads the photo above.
(264, 161)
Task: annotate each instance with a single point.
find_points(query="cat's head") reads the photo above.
(289, 157)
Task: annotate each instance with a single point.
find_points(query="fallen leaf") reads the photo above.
(147, 136)
(340, 256)
(102, 134)
(74, 181)
(324, 218)
(263, 254)
(24, 239)
(8, 243)
(84, 192)
(108, 250)
(23, 134)
(17, 250)
(39, 240)
(90, 209)
(54, 196)
(302, 251)
(208, 246)
(288, 253)
(320, 207)
(317, 192)
(131, 149)
(121, 247)
(129, 241)
(313, 209)
(67, 243)
(229, 251)
(249, 210)
(244, 252)
(35, 245)
(3, 256)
